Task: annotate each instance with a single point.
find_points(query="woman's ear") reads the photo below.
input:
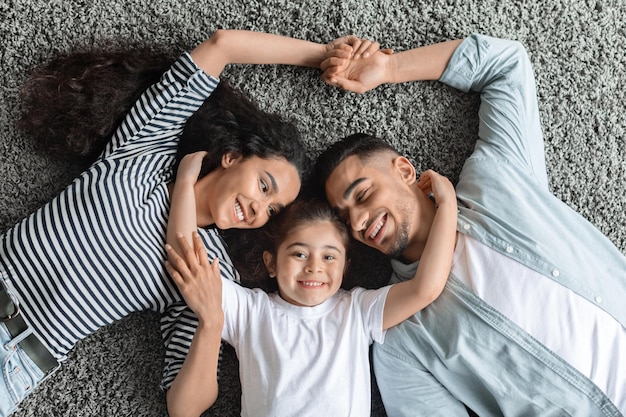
(268, 260)
(405, 169)
(229, 158)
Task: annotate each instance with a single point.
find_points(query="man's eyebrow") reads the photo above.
(351, 188)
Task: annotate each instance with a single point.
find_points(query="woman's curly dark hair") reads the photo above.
(73, 105)
(228, 122)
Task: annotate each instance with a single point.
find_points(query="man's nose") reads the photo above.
(358, 220)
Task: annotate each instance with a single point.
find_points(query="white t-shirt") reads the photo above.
(582, 334)
(303, 361)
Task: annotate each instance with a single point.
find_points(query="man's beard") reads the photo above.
(405, 207)
(401, 243)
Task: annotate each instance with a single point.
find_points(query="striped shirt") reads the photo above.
(95, 253)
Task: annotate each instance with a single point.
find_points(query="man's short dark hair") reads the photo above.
(359, 144)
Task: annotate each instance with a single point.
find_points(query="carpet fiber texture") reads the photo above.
(576, 47)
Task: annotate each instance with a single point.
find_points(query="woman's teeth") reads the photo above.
(239, 211)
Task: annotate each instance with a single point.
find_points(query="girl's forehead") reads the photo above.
(316, 233)
(313, 224)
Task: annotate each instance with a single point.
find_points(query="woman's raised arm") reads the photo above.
(245, 47)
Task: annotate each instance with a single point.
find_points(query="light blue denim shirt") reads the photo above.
(461, 350)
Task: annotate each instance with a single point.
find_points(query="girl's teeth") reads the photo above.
(312, 284)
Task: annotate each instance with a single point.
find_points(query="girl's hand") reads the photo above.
(198, 280)
(440, 187)
(189, 167)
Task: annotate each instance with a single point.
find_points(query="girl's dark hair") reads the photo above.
(73, 104)
(302, 212)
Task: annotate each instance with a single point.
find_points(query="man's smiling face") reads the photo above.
(375, 199)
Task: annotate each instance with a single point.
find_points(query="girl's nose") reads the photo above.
(312, 266)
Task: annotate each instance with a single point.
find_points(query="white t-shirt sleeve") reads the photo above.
(239, 303)
(372, 305)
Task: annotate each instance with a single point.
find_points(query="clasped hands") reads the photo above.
(356, 64)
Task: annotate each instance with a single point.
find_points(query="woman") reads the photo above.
(95, 253)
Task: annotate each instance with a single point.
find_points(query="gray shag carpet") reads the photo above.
(576, 46)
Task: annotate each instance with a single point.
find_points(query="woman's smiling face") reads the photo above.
(245, 193)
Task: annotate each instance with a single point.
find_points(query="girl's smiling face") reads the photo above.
(245, 193)
(309, 264)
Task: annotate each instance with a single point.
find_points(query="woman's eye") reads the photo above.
(329, 257)
(300, 255)
(264, 186)
(271, 211)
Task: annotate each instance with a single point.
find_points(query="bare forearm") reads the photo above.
(244, 47)
(195, 388)
(182, 218)
(409, 297)
(423, 63)
(436, 260)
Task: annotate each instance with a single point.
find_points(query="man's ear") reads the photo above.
(229, 158)
(268, 260)
(405, 169)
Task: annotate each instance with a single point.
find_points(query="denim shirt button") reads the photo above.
(467, 226)
(598, 299)
(509, 249)
(555, 273)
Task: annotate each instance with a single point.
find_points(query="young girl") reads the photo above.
(303, 350)
(95, 253)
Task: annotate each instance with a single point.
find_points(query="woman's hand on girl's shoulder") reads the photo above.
(198, 280)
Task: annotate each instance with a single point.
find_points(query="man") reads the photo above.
(532, 318)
